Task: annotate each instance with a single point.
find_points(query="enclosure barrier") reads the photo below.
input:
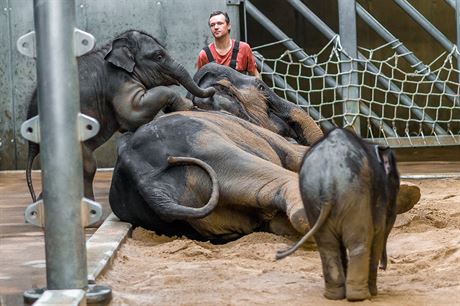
(399, 105)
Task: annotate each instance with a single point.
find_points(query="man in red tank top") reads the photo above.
(224, 50)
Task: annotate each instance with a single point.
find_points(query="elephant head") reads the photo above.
(146, 59)
(251, 99)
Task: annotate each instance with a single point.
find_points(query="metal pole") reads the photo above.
(425, 24)
(60, 156)
(348, 39)
(384, 81)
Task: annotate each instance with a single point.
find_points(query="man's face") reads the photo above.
(219, 27)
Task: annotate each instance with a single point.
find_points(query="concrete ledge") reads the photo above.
(101, 247)
(71, 297)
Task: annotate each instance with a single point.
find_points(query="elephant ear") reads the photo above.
(384, 156)
(121, 55)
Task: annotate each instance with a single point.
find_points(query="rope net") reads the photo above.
(378, 92)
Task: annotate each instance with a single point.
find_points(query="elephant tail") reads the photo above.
(159, 199)
(324, 214)
(181, 212)
(33, 151)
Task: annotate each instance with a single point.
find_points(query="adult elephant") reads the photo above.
(247, 175)
(249, 98)
(123, 85)
(254, 179)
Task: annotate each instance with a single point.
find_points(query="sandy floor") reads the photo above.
(424, 268)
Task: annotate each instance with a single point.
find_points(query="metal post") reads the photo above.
(348, 39)
(61, 156)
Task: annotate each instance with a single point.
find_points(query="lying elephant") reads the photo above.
(123, 85)
(349, 190)
(249, 98)
(256, 175)
(256, 171)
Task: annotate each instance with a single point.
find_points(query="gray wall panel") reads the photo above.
(7, 149)
(23, 70)
(180, 24)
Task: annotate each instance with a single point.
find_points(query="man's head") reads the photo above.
(219, 23)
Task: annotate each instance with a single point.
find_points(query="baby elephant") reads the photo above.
(349, 190)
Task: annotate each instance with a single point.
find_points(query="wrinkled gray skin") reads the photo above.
(349, 191)
(255, 170)
(286, 118)
(123, 85)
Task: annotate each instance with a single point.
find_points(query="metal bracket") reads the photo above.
(234, 2)
(84, 42)
(26, 44)
(91, 213)
(30, 129)
(35, 214)
(88, 127)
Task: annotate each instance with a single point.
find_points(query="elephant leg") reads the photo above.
(377, 250)
(259, 183)
(329, 248)
(89, 171)
(358, 239)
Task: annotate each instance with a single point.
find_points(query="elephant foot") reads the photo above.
(373, 290)
(299, 221)
(280, 225)
(355, 294)
(408, 196)
(335, 293)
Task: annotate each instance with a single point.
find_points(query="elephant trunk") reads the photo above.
(304, 126)
(184, 78)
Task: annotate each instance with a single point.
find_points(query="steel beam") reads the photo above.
(348, 67)
(425, 24)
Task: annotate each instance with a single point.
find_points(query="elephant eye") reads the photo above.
(260, 87)
(157, 56)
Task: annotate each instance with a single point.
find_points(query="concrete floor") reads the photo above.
(22, 250)
(22, 255)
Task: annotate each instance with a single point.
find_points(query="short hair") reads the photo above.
(215, 13)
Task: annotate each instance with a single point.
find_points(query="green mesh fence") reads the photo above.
(378, 93)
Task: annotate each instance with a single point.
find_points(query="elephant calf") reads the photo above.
(349, 190)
